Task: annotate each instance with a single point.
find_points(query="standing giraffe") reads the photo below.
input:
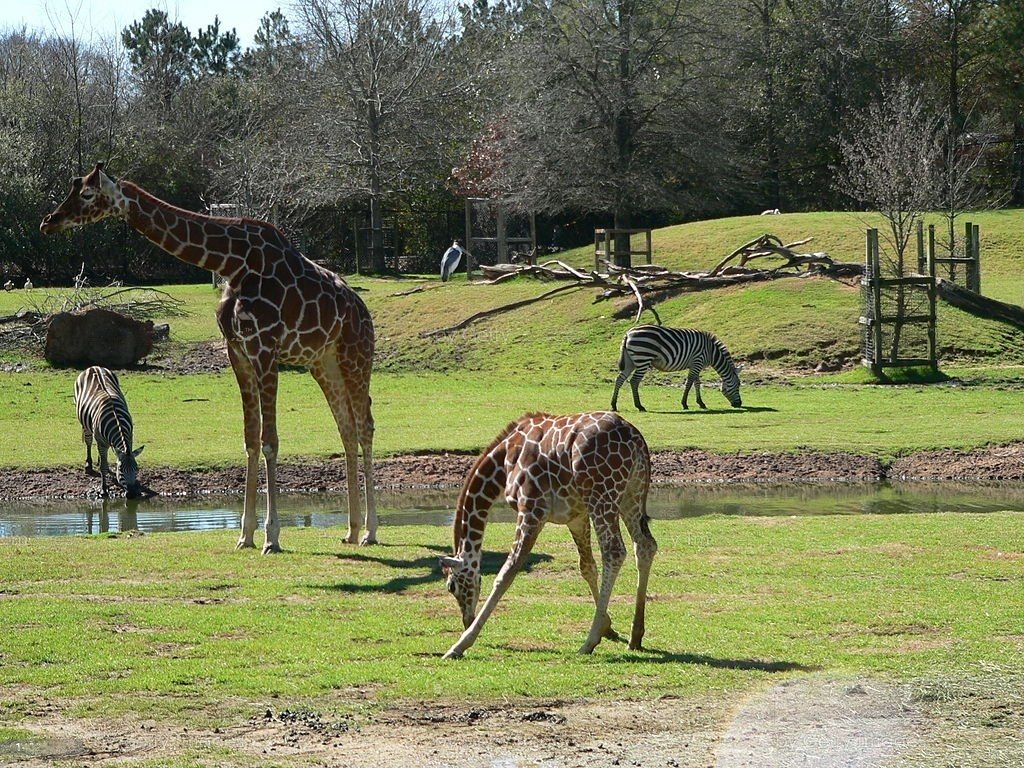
(574, 470)
(277, 307)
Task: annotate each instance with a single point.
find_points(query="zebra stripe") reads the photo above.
(103, 414)
(673, 349)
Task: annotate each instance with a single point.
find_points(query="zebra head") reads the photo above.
(127, 473)
(731, 389)
(463, 582)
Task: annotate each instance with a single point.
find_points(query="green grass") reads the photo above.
(195, 421)
(456, 391)
(180, 626)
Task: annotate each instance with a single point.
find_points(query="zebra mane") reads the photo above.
(726, 366)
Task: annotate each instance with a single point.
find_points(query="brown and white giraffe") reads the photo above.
(278, 307)
(588, 468)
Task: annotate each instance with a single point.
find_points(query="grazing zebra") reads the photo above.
(672, 349)
(103, 413)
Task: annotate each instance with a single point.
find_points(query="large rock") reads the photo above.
(97, 337)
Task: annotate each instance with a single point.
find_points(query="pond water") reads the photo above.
(433, 507)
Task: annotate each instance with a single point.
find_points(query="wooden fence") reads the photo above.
(971, 260)
(898, 313)
(604, 247)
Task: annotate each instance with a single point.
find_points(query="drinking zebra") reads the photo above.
(672, 349)
(103, 413)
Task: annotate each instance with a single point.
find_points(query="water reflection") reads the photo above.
(436, 507)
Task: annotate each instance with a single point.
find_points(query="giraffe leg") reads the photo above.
(268, 379)
(246, 378)
(335, 385)
(579, 527)
(613, 553)
(528, 528)
(357, 388)
(366, 440)
(645, 547)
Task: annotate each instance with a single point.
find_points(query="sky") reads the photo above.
(104, 19)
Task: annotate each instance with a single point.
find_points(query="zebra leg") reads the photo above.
(619, 381)
(104, 467)
(692, 380)
(634, 384)
(87, 439)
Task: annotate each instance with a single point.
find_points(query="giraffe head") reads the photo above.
(93, 197)
(464, 583)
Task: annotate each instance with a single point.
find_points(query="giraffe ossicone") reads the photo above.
(581, 470)
(277, 307)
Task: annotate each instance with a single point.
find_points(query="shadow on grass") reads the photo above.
(427, 568)
(716, 411)
(655, 656)
(699, 659)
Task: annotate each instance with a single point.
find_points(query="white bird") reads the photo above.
(9, 285)
(450, 260)
(28, 285)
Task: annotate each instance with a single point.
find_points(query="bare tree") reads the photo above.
(613, 109)
(890, 164)
(378, 120)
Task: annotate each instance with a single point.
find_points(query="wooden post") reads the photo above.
(974, 266)
(933, 346)
(876, 299)
(649, 249)
(920, 248)
(469, 237)
(931, 249)
(502, 242)
(355, 236)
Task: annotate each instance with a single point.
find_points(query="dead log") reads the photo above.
(978, 305)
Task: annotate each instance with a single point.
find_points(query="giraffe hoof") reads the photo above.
(453, 653)
(635, 645)
(368, 541)
(271, 549)
(243, 544)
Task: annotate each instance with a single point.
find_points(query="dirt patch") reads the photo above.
(821, 723)
(663, 732)
(808, 721)
(446, 470)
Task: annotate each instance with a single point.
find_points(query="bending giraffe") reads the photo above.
(278, 307)
(590, 468)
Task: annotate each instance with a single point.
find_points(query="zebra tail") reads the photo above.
(622, 354)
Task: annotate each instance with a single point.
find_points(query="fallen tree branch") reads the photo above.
(497, 311)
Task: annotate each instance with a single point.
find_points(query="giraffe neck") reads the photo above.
(219, 245)
(486, 480)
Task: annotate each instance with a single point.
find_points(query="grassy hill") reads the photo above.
(453, 392)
